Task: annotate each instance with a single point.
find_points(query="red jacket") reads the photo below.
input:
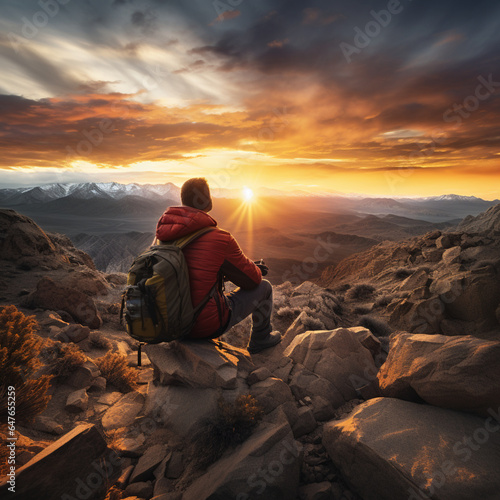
(212, 252)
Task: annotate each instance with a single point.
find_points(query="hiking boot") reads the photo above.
(270, 340)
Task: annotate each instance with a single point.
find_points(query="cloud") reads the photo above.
(226, 16)
(388, 104)
(278, 44)
(146, 21)
(107, 129)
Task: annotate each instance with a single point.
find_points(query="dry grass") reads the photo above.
(378, 327)
(403, 273)
(363, 291)
(361, 311)
(287, 312)
(19, 364)
(312, 323)
(115, 369)
(114, 494)
(62, 359)
(233, 424)
(384, 301)
(98, 341)
(340, 288)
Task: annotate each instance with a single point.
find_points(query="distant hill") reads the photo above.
(114, 252)
(488, 221)
(434, 208)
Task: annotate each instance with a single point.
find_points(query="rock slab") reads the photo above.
(51, 295)
(335, 363)
(78, 465)
(267, 466)
(124, 411)
(461, 373)
(199, 363)
(390, 449)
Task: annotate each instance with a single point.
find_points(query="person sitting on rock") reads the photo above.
(211, 257)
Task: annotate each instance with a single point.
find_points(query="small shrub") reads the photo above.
(384, 301)
(360, 311)
(19, 364)
(115, 369)
(362, 291)
(313, 323)
(232, 425)
(114, 494)
(378, 327)
(98, 341)
(62, 359)
(403, 273)
(287, 312)
(341, 288)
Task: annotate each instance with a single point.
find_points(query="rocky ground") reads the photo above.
(440, 283)
(336, 411)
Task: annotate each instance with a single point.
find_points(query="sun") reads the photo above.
(247, 194)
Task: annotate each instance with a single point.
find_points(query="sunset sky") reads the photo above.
(378, 97)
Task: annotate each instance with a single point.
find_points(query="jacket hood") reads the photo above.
(177, 222)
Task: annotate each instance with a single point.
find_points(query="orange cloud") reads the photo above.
(278, 43)
(226, 16)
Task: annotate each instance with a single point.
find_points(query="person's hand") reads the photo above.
(262, 266)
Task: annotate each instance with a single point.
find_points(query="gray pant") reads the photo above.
(257, 302)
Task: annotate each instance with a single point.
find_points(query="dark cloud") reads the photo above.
(108, 129)
(146, 21)
(279, 54)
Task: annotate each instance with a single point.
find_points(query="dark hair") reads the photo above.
(195, 193)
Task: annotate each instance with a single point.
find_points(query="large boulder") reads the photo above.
(78, 465)
(181, 409)
(25, 243)
(86, 280)
(461, 373)
(22, 238)
(271, 393)
(421, 315)
(53, 296)
(266, 465)
(469, 296)
(389, 449)
(199, 363)
(336, 363)
(190, 378)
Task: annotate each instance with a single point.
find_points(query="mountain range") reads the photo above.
(434, 206)
(114, 222)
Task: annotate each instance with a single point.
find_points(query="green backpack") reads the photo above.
(157, 303)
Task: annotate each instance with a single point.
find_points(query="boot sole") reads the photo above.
(255, 350)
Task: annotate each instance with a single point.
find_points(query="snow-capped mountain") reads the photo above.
(450, 197)
(87, 190)
(111, 198)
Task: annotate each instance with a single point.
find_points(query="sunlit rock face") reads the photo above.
(391, 449)
(462, 373)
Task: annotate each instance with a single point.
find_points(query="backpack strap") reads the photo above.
(185, 240)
